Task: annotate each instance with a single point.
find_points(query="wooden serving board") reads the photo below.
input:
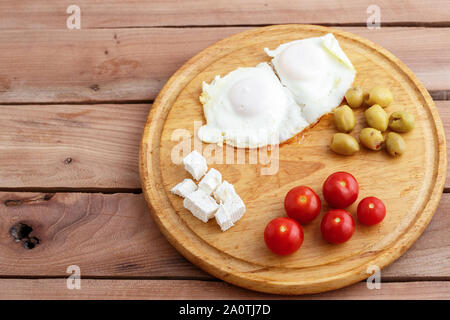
(410, 186)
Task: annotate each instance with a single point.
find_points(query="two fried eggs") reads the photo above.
(270, 103)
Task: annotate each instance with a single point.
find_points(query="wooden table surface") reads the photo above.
(74, 103)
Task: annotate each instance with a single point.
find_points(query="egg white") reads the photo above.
(252, 107)
(249, 108)
(316, 71)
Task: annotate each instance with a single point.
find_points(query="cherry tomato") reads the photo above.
(337, 226)
(283, 236)
(302, 204)
(371, 211)
(340, 190)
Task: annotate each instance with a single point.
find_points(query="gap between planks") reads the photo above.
(437, 95)
(51, 190)
(405, 24)
(90, 190)
(209, 278)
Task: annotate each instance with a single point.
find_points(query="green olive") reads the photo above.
(395, 145)
(377, 118)
(381, 96)
(354, 97)
(344, 144)
(371, 138)
(344, 119)
(401, 121)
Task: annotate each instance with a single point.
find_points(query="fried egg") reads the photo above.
(316, 71)
(258, 106)
(249, 108)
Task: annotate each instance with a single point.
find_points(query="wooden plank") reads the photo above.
(72, 146)
(205, 290)
(444, 112)
(114, 236)
(429, 256)
(83, 146)
(115, 13)
(39, 66)
(105, 235)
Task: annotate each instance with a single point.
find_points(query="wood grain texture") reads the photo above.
(53, 66)
(429, 256)
(138, 13)
(206, 290)
(133, 64)
(71, 146)
(105, 235)
(319, 267)
(84, 146)
(114, 236)
(444, 111)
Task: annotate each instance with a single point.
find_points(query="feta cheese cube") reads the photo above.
(236, 208)
(226, 195)
(195, 164)
(210, 181)
(223, 218)
(201, 205)
(184, 188)
(225, 192)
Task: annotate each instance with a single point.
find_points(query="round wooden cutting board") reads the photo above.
(410, 186)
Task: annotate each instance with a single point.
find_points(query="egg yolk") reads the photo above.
(249, 96)
(301, 61)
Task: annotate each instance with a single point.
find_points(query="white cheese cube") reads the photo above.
(236, 208)
(210, 181)
(225, 192)
(201, 205)
(184, 188)
(195, 164)
(223, 218)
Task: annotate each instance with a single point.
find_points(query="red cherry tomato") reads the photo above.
(340, 190)
(302, 204)
(283, 236)
(337, 226)
(371, 211)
